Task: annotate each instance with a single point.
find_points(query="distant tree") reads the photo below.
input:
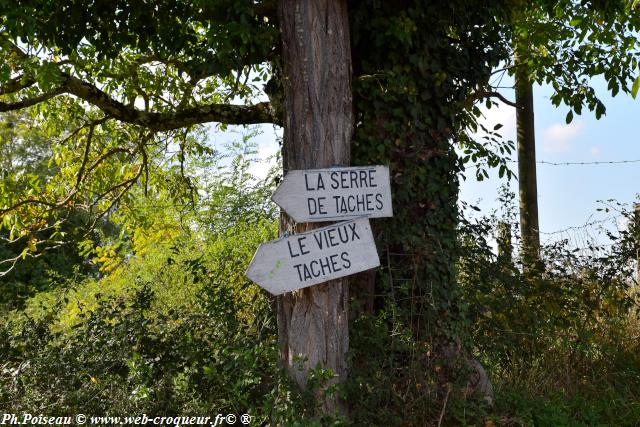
(27, 165)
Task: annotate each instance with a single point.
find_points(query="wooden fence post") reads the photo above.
(527, 181)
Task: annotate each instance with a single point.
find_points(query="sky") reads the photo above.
(569, 196)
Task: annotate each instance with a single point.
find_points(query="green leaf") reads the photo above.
(498, 126)
(635, 87)
(569, 117)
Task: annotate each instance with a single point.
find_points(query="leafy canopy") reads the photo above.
(118, 89)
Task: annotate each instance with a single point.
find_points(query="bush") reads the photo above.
(177, 332)
(558, 341)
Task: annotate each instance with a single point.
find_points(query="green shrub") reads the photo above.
(558, 343)
(178, 332)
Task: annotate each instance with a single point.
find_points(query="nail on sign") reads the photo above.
(306, 259)
(335, 194)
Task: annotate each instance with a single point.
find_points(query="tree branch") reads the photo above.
(85, 158)
(13, 47)
(15, 85)
(106, 154)
(127, 184)
(28, 102)
(26, 202)
(223, 113)
(490, 94)
(266, 8)
(14, 261)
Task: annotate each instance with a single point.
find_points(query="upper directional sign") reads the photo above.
(315, 195)
(319, 255)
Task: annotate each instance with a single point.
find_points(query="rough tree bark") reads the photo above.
(318, 126)
(527, 181)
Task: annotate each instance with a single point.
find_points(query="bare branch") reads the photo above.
(490, 94)
(85, 158)
(31, 201)
(14, 261)
(127, 184)
(28, 102)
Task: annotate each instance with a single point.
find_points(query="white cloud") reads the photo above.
(595, 151)
(557, 137)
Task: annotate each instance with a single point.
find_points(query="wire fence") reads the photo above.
(599, 162)
(589, 238)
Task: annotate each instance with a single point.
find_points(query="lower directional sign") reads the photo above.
(306, 259)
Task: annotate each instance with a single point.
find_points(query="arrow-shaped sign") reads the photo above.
(315, 195)
(306, 259)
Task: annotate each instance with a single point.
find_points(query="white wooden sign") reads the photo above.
(315, 195)
(305, 259)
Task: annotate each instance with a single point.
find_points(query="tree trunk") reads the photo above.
(318, 125)
(529, 227)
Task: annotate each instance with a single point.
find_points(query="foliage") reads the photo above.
(120, 93)
(565, 43)
(159, 334)
(26, 164)
(233, 193)
(416, 68)
(173, 328)
(557, 345)
(216, 37)
(129, 73)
